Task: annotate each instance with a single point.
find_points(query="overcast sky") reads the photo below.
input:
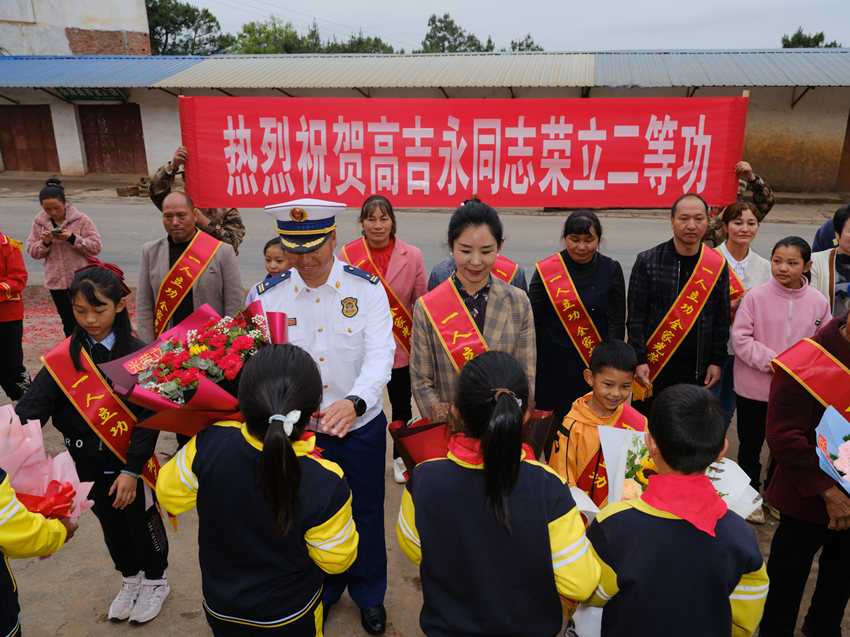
(560, 25)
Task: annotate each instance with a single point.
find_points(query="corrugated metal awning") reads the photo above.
(90, 71)
(780, 67)
(388, 71)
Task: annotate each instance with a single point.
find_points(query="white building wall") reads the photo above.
(37, 27)
(160, 125)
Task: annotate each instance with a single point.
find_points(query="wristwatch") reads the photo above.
(359, 404)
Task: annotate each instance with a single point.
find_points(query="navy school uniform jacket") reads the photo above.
(477, 577)
(22, 534)
(251, 575)
(661, 575)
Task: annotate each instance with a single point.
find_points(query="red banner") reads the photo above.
(644, 152)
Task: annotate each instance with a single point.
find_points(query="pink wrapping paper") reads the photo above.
(30, 469)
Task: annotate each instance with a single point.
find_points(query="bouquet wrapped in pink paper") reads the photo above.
(189, 375)
(45, 485)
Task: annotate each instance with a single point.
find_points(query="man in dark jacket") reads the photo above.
(815, 511)
(658, 276)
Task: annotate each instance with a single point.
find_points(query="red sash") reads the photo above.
(357, 254)
(504, 268)
(453, 324)
(819, 372)
(736, 288)
(593, 476)
(95, 401)
(568, 305)
(182, 276)
(681, 316)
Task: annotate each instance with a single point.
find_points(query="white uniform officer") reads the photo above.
(340, 315)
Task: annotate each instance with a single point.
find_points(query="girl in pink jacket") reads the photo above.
(62, 236)
(771, 318)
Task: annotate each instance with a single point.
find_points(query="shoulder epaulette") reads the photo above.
(371, 278)
(268, 284)
(16, 244)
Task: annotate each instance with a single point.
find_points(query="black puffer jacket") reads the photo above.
(654, 284)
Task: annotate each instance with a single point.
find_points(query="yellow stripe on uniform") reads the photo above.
(576, 572)
(332, 545)
(405, 529)
(177, 485)
(747, 602)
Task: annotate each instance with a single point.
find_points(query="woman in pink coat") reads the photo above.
(62, 236)
(402, 269)
(772, 317)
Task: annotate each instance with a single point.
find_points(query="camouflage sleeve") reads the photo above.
(226, 226)
(161, 184)
(714, 234)
(762, 195)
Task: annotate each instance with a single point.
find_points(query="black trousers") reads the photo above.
(752, 416)
(13, 374)
(135, 536)
(645, 406)
(791, 553)
(63, 305)
(398, 390)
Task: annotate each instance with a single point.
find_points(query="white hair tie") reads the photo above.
(288, 421)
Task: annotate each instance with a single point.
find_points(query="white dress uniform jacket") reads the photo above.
(346, 326)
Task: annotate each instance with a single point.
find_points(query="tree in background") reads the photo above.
(270, 36)
(802, 40)
(179, 28)
(526, 44)
(276, 36)
(445, 36)
(359, 43)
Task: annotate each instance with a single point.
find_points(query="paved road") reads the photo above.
(125, 224)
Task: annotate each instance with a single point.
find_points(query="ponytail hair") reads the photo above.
(107, 280)
(491, 398)
(277, 381)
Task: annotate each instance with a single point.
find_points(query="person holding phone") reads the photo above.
(62, 236)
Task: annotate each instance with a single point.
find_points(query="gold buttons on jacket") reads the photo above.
(321, 358)
(317, 300)
(320, 329)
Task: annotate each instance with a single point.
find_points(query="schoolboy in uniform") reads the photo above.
(340, 315)
(577, 453)
(675, 561)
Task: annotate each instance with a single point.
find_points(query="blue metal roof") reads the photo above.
(773, 67)
(91, 71)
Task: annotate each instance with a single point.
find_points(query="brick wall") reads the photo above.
(96, 42)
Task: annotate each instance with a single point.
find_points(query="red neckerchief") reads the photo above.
(691, 498)
(468, 449)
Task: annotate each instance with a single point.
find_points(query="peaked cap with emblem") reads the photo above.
(305, 224)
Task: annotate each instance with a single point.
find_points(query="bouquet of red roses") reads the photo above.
(189, 375)
(217, 350)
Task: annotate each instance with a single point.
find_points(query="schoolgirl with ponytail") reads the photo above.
(273, 517)
(489, 514)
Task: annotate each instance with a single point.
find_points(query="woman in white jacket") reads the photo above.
(831, 268)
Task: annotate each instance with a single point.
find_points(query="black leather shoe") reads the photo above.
(374, 619)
